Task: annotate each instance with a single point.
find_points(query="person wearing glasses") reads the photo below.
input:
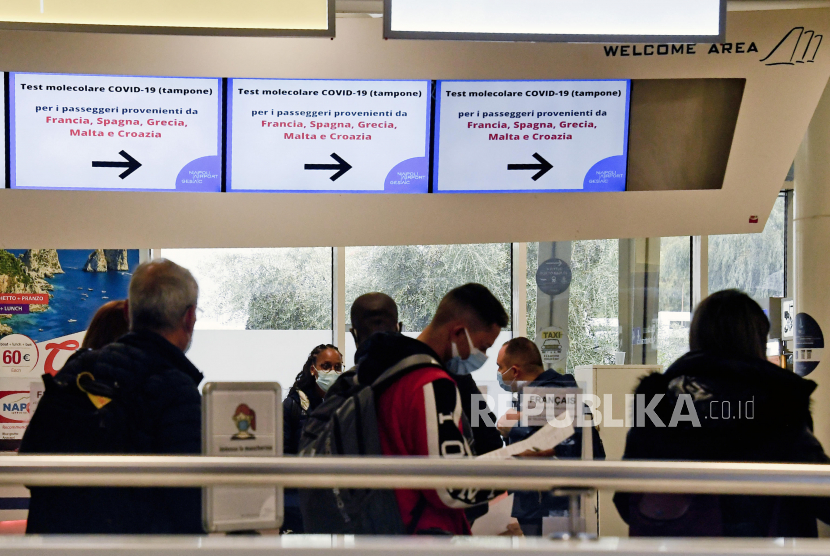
(322, 368)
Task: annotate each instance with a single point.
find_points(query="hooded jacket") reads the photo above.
(158, 389)
(716, 408)
(421, 414)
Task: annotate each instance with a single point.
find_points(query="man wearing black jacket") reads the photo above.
(152, 406)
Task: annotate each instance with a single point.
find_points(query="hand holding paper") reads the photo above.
(546, 438)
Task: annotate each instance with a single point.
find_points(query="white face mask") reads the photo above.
(325, 379)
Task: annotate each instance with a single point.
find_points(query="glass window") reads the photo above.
(753, 263)
(593, 300)
(674, 314)
(532, 266)
(264, 310)
(418, 276)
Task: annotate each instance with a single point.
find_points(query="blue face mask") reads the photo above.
(242, 425)
(504, 386)
(474, 361)
(325, 379)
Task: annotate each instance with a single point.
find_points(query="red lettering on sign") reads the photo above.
(54, 349)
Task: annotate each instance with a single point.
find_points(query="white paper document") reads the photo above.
(544, 439)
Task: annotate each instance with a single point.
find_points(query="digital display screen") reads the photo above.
(252, 17)
(99, 132)
(321, 135)
(531, 136)
(557, 20)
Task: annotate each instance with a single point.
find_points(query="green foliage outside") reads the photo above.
(675, 274)
(13, 268)
(275, 289)
(593, 308)
(290, 289)
(753, 263)
(594, 302)
(418, 276)
(674, 297)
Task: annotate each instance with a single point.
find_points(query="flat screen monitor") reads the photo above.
(671, 21)
(308, 136)
(531, 136)
(174, 17)
(117, 133)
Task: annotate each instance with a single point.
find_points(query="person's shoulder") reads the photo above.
(421, 377)
(78, 362)
(110, 362)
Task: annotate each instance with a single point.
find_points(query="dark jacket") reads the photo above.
(294, 417)
(386, 349)
(746, 411)
(156, 408)
(532, 506)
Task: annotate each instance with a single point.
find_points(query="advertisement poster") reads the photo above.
(514, 136)
(47, 299)
(553, 343)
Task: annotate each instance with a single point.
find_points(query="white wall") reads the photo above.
(254, 355)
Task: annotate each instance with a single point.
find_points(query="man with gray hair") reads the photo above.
(138, 395)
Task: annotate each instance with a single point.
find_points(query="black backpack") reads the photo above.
(346, 424)
(81, 413)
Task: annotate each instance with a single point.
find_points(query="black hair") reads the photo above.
(732, 324)
(374, 312)
(305, 380)
(476, 299)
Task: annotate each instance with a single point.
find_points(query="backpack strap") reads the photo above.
(416, 514)
(402, 367)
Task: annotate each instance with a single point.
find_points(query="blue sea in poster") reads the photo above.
(76, 297)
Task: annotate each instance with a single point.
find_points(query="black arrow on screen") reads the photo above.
(130, 164)
(342, 167)
(543, 166)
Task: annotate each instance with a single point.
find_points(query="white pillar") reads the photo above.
(338, 316)
(812, 254)
(700, 269)
(519, 317)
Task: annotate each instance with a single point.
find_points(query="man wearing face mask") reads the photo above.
(422, 413)
(519, 365)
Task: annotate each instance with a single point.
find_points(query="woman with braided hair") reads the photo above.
(321, 369)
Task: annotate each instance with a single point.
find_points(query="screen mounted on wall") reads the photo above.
(674, 21)
(531, 136)
(174, 17)
(100, 132)
(336, 136)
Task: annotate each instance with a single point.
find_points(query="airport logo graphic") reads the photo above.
(245, 419)
(14, 407)
(799, 46)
